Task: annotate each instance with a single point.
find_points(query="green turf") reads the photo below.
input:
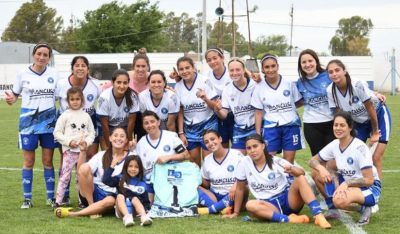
(40, 219)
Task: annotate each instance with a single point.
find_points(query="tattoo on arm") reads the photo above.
(356, 182)
(313, 163)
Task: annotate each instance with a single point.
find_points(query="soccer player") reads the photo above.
(37, 85)
(236, 97)
(197, 95)
(358, 186)
(162, 101)
(276, 97)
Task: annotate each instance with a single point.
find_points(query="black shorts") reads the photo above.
(318, 135)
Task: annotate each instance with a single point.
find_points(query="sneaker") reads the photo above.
(26, 204)
(128, 220)
(81, 206)
(66, 201)
(293, 218)
(51, 202)
(375, 209)
(202, 211)
(321, 221)
(332, 214)
(364, 217)
(145, 220)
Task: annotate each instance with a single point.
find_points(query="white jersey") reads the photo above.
(239, 102)
(118, 115)
(195, 110)
(277, 103)
(96, 165)
(38, 108)
(361, 94)
(169, 105)
(221, 175)
(149, 150)
(219, 83)
(91, 91)
(263, 184)
(350, 161)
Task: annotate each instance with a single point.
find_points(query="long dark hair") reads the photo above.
(157, 72)
(75, 59)
(349, 120)
(107, 157)
(129, 91)
(302, 74)
(126, 178)
(42, 44)
(268, 156)
(185, 59)
(348, 83)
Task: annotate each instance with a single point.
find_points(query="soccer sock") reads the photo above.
(204, 199)
(315, 208)
(362, 208)
(50, 182)
(66, 193)
(27, 178)
(329, 203)
(224, 202)
(279, 218)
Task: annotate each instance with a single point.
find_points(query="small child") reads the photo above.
(71, 127)
(130, 187)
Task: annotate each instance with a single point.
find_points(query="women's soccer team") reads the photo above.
(233, 121)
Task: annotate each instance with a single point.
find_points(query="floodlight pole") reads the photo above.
(393, 73)
(291, 31)
(233, 28)
(204, 44)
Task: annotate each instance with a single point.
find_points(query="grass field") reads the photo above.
(40, 219)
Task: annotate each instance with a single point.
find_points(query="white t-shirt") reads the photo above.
(149, 150)
(96, 165)
(350, 161)
(263, 184)
(195, 110)
(118, 115)
(38, 108)
(361, 94)
(91, 91)
(219, 83)
(169, 105)
(221, 175)
(277, 103)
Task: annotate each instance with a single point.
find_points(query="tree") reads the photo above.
(226, 39)
(359, 47)
(34, 22)
(120, 28)
(273, 44)
(349, 30)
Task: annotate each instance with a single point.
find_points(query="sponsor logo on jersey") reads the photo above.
(345, 172)
(286, 93)
(350, 161)
(317, 100)
(280, 106)
(195, 106)
(230, 168)
(50, 80)
(174, 174)
(240, 109)
(223, 181)
(271, 176)
(261, 187)
(164, 110)
(89, 97)
(167, 148)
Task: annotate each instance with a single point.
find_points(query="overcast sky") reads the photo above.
(315, 21)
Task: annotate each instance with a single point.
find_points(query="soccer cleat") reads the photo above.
(202, 211)
(51, 202)
(26, 204)
(145, 220)
(332, 214)
(81, 206)
(321, 221)
(293, 218)
(375, 209)
(364, 217)
(66, 201)
(227, 210)
(128, 220)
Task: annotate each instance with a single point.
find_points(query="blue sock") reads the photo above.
(329, 203)
(222, 204)
(204, 199)
(362, 208)
(66, 193)
(49, 178)
(279, 218)
(27, 178)
(315, 208)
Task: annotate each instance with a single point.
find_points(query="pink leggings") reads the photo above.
(70, 159)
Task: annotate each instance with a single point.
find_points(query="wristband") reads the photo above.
(180, 133)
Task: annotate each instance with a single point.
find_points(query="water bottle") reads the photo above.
(129, 205)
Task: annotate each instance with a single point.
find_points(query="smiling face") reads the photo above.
(118, 138)
(120, 85)
(255, 149)
(336, 73)
(186, 70)
(151, 125)
(212, 141)
(270, 68)
(133, 169)
(214, 60)
(80, 69)
(340, 128)
(308, 65)
(75, 101)
(41, 56)
(156, 84)
(141, 68)
(236, 71)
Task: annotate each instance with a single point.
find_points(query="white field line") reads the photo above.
(19, 169)
(346, 219)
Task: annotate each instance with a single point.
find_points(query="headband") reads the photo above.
(268, 56)
(216, 50)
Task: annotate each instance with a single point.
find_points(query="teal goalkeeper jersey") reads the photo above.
(175, 184)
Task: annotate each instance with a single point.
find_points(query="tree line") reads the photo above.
(116, 28)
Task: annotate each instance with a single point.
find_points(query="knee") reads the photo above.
(340, 203)
(109, 202)
(252, 206)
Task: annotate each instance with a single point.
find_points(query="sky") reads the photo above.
(315, 21)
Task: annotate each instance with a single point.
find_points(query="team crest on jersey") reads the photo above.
(355, 99)
(126, 109)
(250, 174)
(350, 160)
(140, 190)
(167, 148)
(324, 85)
(50, 80)
(286, 93)
(164, 110)
(25, 141)
(144, 155)
(90, 97)
(232, 99)
(230, 168)
(271, 176)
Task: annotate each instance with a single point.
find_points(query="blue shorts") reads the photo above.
(98, 195)
(218, 195)
(371, 194)
(281, 202)
(364, 130)
(31, 141)
(99, 129)
(225, 127)
(239, 143)
(193, 145)
(284, 138)
(150, 188)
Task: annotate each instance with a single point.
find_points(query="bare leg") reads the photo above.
(378, 158)
(121, 207)
(138, 206)
(289, 155)
(47, 158)
(261, 210)
(99, 207)
(29, 159)
(195, 155)
(205, 153)
(86, 186)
